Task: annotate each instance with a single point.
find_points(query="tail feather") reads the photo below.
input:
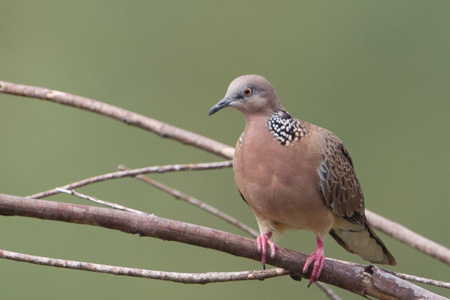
(362, 240)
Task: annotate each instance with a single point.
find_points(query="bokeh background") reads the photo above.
(376, 73)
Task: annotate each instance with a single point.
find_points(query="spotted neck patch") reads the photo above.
(285, 129)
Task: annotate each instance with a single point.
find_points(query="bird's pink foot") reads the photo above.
(318, 256)
(262, 242)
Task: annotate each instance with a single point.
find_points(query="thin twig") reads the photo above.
(328, 292)
(134, 172)
(98, 201)
(197, 278)
(409, 237)
(423, 280)
(194, 201)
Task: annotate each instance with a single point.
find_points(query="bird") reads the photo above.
(297, 176)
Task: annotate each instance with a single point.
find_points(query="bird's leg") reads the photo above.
(262, 242)
(318, 256)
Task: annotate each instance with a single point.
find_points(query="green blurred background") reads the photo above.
(376, 73)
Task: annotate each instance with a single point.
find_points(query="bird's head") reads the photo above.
(251, 94)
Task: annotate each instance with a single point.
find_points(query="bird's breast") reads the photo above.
(280, 182)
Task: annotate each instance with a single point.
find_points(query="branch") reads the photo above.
(363, 280)
(134, 172)
(327, 291)
(99, 201)
(409, 237)
(126, 116)
(424, 280)
(198, 278)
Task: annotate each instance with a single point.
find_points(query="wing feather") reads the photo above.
(339, 185)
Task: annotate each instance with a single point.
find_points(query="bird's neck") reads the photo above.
(285, 129)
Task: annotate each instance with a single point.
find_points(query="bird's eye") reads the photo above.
(247, 91)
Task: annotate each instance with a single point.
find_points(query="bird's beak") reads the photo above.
(221, 104)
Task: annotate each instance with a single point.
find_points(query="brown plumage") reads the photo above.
(295, 175)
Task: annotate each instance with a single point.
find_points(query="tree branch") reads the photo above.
(424, 280)
(197, 278)
(126, 116)
(99, 201)
(134, 172)
(327, 291)
(409, 237)
(363, 280)
(214, 211)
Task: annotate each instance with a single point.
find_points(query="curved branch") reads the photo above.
(134, 172)
(409, 237)
(356, 278)
(197, 278)
(126, 116)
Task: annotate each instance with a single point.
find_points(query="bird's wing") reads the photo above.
(338, 185)
(341, 191)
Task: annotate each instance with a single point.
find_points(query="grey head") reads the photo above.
(251, 94)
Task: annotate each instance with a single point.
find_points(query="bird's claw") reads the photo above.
(318, 256)
(262, 242)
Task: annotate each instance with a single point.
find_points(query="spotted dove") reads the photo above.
(296, 175)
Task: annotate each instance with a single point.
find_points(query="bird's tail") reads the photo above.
(362, 240)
